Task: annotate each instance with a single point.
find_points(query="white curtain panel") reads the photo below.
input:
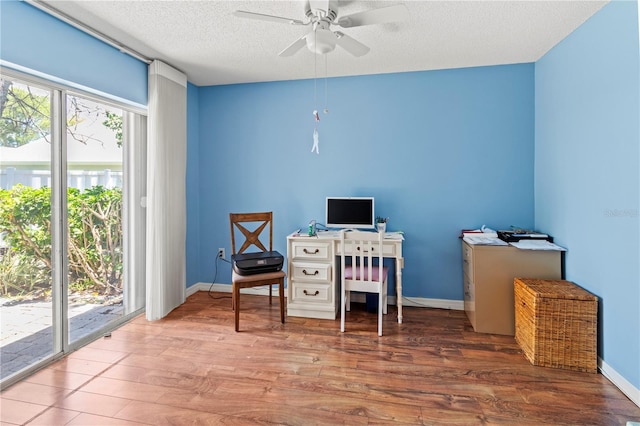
(166, 190)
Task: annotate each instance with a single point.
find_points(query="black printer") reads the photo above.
(522, 234)
(257, 263)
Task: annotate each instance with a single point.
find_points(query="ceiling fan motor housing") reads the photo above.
(322, 40)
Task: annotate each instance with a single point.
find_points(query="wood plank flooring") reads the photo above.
(192, 368)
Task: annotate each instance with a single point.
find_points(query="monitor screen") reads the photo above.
(350, 212)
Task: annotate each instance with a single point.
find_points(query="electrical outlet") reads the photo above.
(221, 252)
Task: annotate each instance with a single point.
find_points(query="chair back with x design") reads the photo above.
(239, 221)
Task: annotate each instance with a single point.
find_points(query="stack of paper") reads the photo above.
(483, 239)
(398, 235)
(484, 232)
(536, 245)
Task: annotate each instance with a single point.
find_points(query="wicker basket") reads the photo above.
(556, 324)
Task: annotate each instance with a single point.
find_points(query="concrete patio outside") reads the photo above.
(26, 335)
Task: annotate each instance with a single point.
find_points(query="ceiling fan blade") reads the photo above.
(398, 12)
(271, 18)
(293, 48)
(351, 45)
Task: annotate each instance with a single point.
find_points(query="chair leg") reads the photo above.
(348, 301)
(342, 309)
(380, 309)
(385, 298)
(281, 294)
(270, 291)
(233, 297)
(236, 302)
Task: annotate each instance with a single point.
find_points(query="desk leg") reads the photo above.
(399, 288)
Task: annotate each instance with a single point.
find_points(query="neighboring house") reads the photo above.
(90, 164)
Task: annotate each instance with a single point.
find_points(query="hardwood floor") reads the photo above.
(192, 368)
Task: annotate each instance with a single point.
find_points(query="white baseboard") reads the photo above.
(226, 288)
(420, 302)
(620, 382)
(454, 305)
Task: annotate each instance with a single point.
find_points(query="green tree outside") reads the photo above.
(94, 241)
(24, 115)
(94, 215)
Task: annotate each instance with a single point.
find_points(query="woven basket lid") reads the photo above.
(557, 289)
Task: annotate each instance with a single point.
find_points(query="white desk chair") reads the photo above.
(362, 248)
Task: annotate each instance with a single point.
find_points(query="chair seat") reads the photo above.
(267, 276)
(348, 273)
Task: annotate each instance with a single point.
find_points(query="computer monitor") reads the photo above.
(350, 212)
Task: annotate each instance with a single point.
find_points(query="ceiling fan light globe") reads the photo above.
(321, 41)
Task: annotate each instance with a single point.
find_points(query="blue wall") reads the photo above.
(33, 41)
(587, 167)
(439, 150)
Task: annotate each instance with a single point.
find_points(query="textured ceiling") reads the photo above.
(212, 46)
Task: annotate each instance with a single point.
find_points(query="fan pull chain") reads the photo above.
(315, 76)
(326, 86)
(316, 117)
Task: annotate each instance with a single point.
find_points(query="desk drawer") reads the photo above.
(310, 271)
(311, 292)
(388, 250)
(307, 250)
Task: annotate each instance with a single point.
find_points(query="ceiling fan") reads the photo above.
(321, 15)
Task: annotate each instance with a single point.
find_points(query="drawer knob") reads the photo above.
(365, 251)
(315, 293)
(316, 251)
(304, 271)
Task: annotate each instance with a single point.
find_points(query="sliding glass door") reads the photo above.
(26, 263)
(94, 239)
(69, 269)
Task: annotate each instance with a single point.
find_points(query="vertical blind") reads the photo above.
(166, 190)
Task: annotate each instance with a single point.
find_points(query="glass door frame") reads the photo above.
(59, 290)
(133, 218)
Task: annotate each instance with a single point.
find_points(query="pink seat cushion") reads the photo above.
(348, 272)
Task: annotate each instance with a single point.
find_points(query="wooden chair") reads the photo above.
(362, 274)
(239, 222)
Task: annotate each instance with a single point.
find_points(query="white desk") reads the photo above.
(313, 286)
